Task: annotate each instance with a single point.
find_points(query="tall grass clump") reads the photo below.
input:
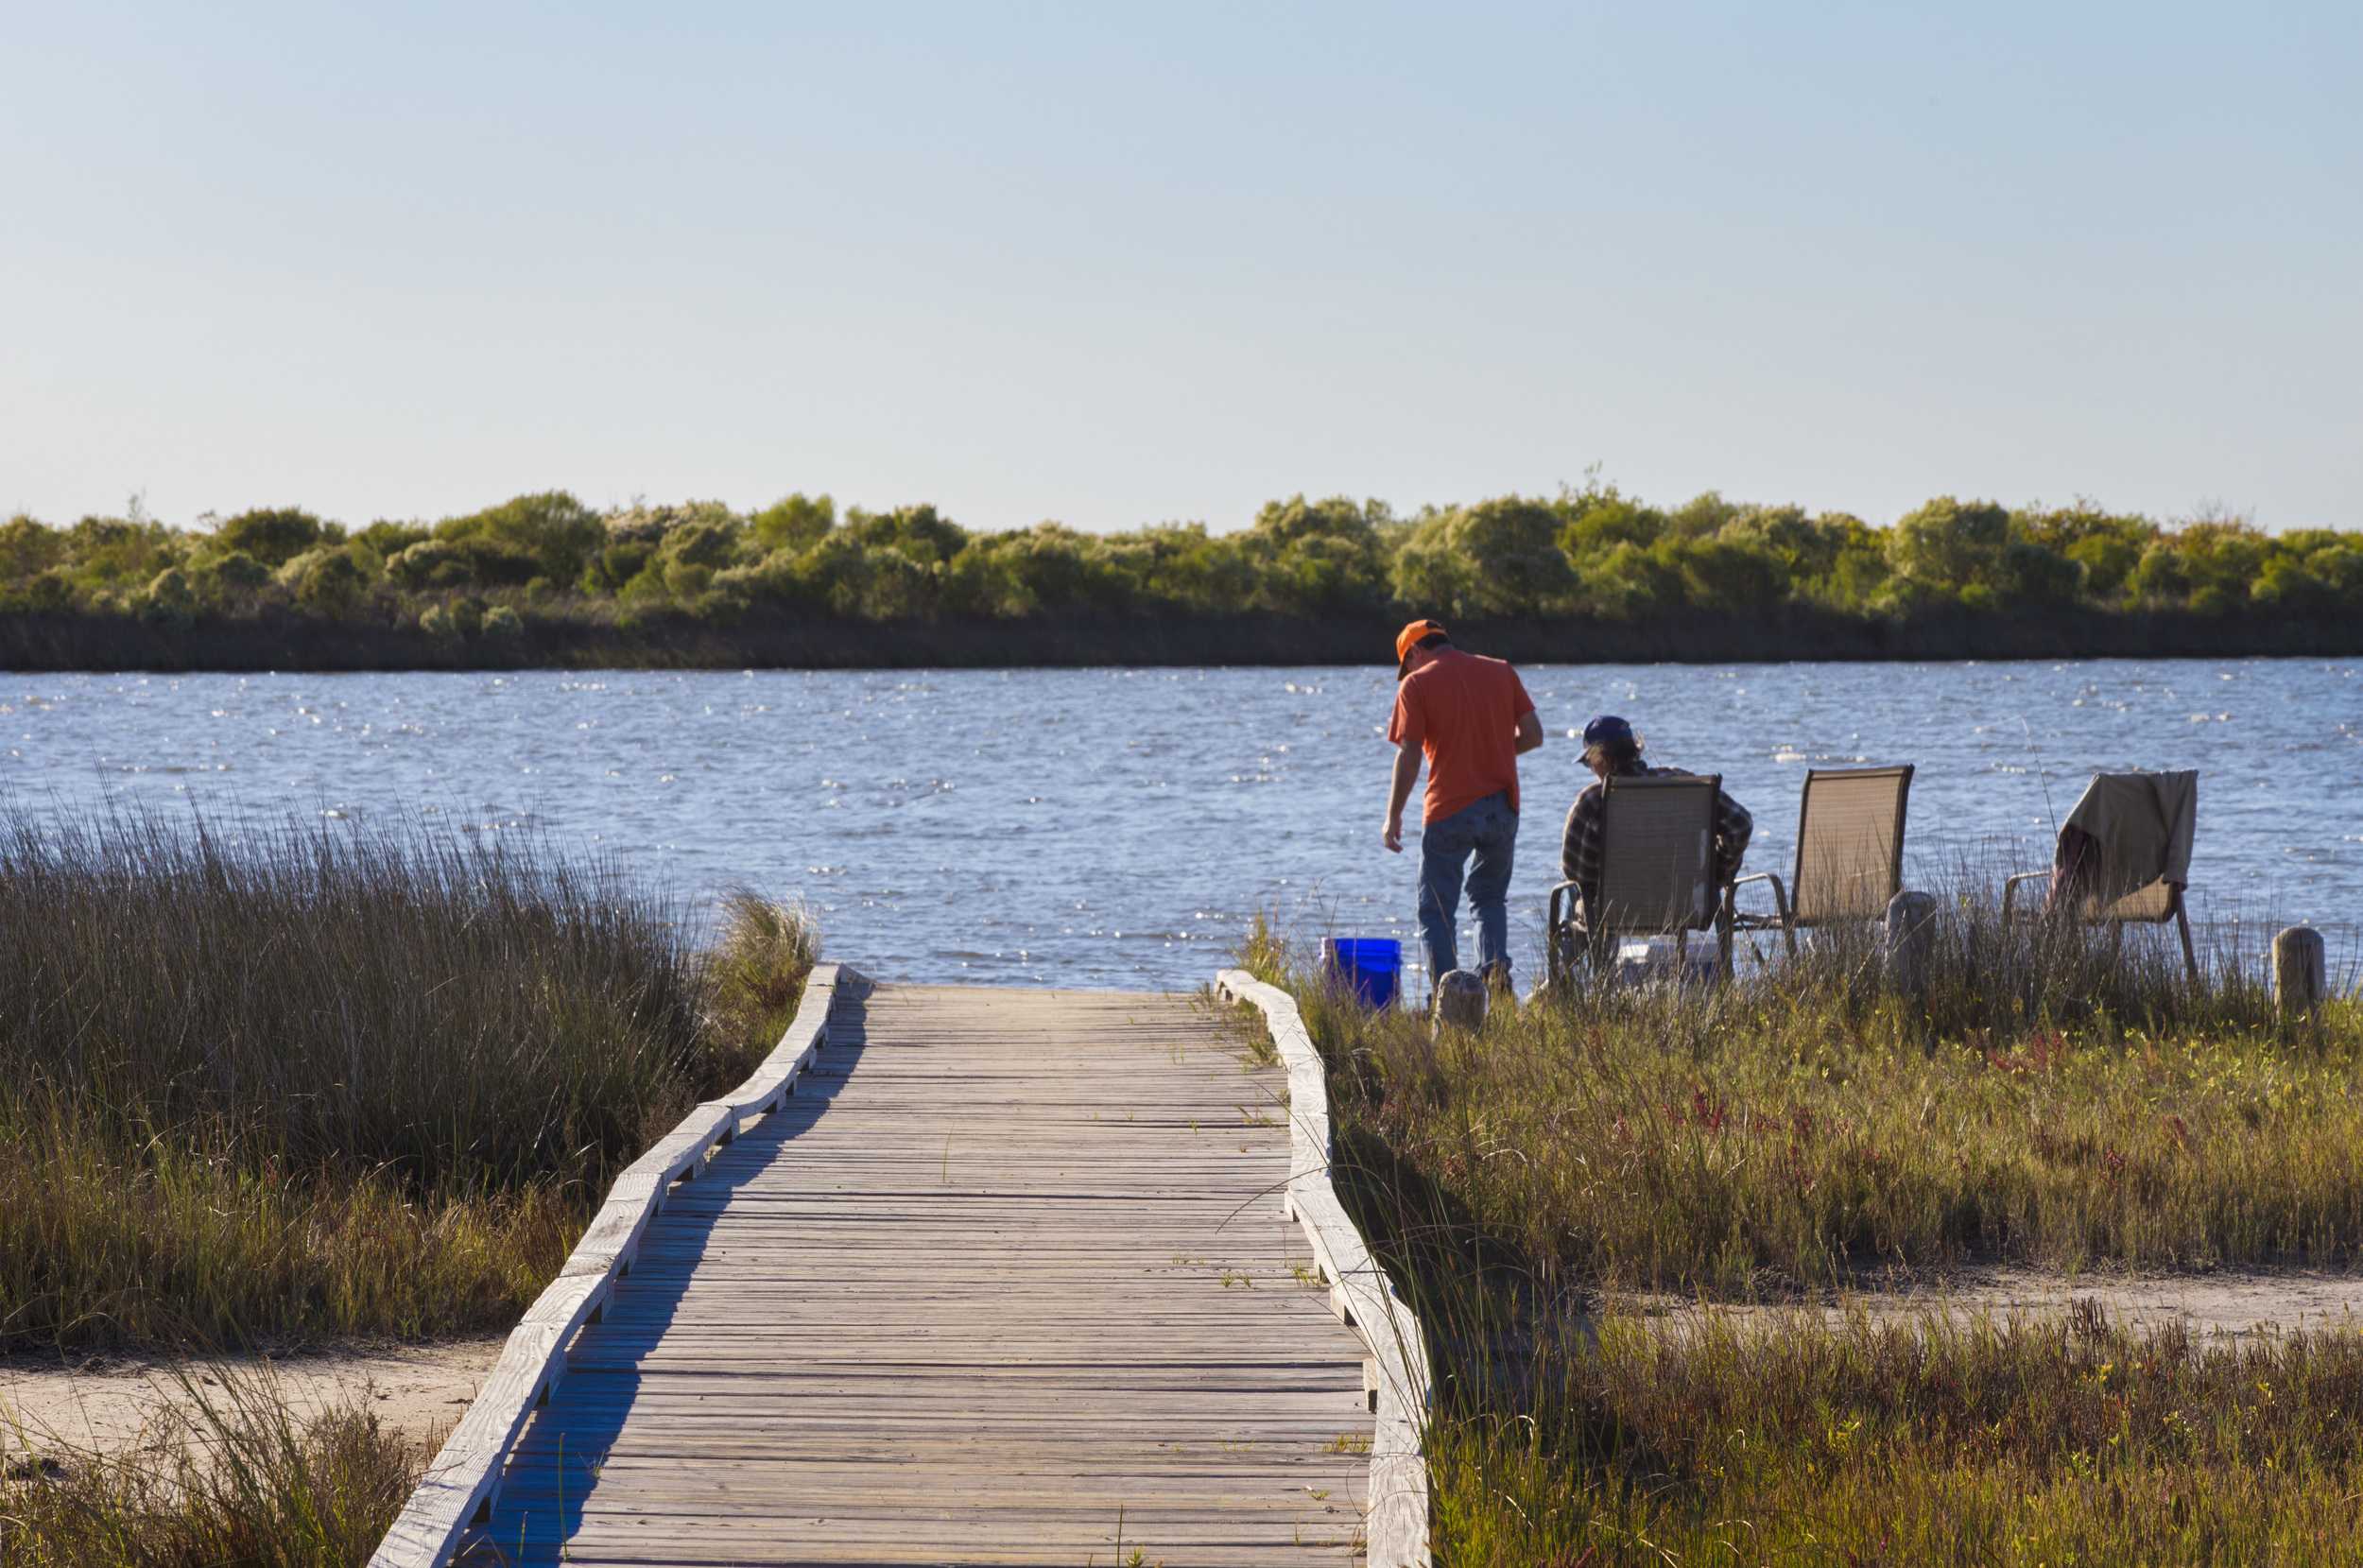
(757, 965)
(308, 1080)
(235, 1474)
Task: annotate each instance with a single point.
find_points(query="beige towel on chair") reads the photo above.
(2140, 827)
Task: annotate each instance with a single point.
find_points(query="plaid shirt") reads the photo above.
(1579, 849)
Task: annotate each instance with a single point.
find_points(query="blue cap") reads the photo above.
(1605, 728)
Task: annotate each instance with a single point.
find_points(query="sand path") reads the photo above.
(2230, 1302)
(420, 1391)
(112, 1406)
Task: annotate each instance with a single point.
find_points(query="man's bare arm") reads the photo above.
(1406, 774)
(1529, 731)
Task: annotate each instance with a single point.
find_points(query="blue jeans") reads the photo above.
(1488, 830)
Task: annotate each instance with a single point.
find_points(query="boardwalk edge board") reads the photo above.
(1360, 1292)
(457, 1491)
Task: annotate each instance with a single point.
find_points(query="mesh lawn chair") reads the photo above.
(2124, 858)
(1850, 853)
(1657, 871)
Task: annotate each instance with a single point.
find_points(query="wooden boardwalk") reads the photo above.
(1009, 1281)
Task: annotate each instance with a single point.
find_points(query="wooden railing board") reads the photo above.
(1360, 1292)
(459, 1486)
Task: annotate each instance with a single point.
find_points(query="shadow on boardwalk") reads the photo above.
(558, 1458)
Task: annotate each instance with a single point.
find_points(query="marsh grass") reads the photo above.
(1801, 1129)
(233, 1474)
(314, 1082)
(2066, 1441)
(757, 967)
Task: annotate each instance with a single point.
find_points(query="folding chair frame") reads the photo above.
(1559, 953)
(2175, 912)
(1784, 916)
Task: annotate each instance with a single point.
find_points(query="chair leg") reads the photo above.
(1788, 933)
(1723, 949)
(2190, 959)
(2116, 943)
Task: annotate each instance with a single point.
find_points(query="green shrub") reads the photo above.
(48, 591)
(272, 535)
(27, 548)
(1591, 551)
(329, 580)
(112, 552)
(170, 598)
(550, 534)
(796, 523)
(460, 563)
(388, 540)
(2036, 576)
(1318, 557)
(1599, 518)
(1630, 580)
(1495, 557)
(233, 571)
(685, 580)
(1951, 546)
(1727, 575)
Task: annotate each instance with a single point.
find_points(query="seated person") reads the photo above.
(1612, 751)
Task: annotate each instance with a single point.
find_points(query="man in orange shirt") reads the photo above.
(1471, 718)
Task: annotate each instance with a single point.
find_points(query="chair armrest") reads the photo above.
(1779, 893)
(1554, 918)
(2009, 889)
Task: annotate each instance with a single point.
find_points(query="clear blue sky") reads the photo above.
(1114, 265)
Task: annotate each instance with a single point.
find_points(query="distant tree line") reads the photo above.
(1595, 554)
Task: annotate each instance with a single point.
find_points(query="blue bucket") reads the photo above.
(1371, 966)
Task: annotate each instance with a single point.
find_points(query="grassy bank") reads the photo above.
(1801, 1127)
(321, 1083)
(1803, 1130)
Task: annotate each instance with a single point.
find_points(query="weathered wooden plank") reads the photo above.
(459, 1485)
(1014, 1257)
(1361, 1294)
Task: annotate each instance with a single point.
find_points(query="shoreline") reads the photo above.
(287, 642)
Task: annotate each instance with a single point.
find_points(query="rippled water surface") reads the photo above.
(1120, 827)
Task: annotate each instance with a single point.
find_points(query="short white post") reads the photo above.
(2301, 971)
(1909, 942)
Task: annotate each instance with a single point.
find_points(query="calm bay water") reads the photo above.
(1120, 827)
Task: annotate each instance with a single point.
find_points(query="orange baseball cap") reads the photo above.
(1409, 637)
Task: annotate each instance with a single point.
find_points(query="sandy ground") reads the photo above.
(111, 1407)
(420, 1391)
(2228, 1301)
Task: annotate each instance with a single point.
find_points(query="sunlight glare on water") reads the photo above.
(1118, 828)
